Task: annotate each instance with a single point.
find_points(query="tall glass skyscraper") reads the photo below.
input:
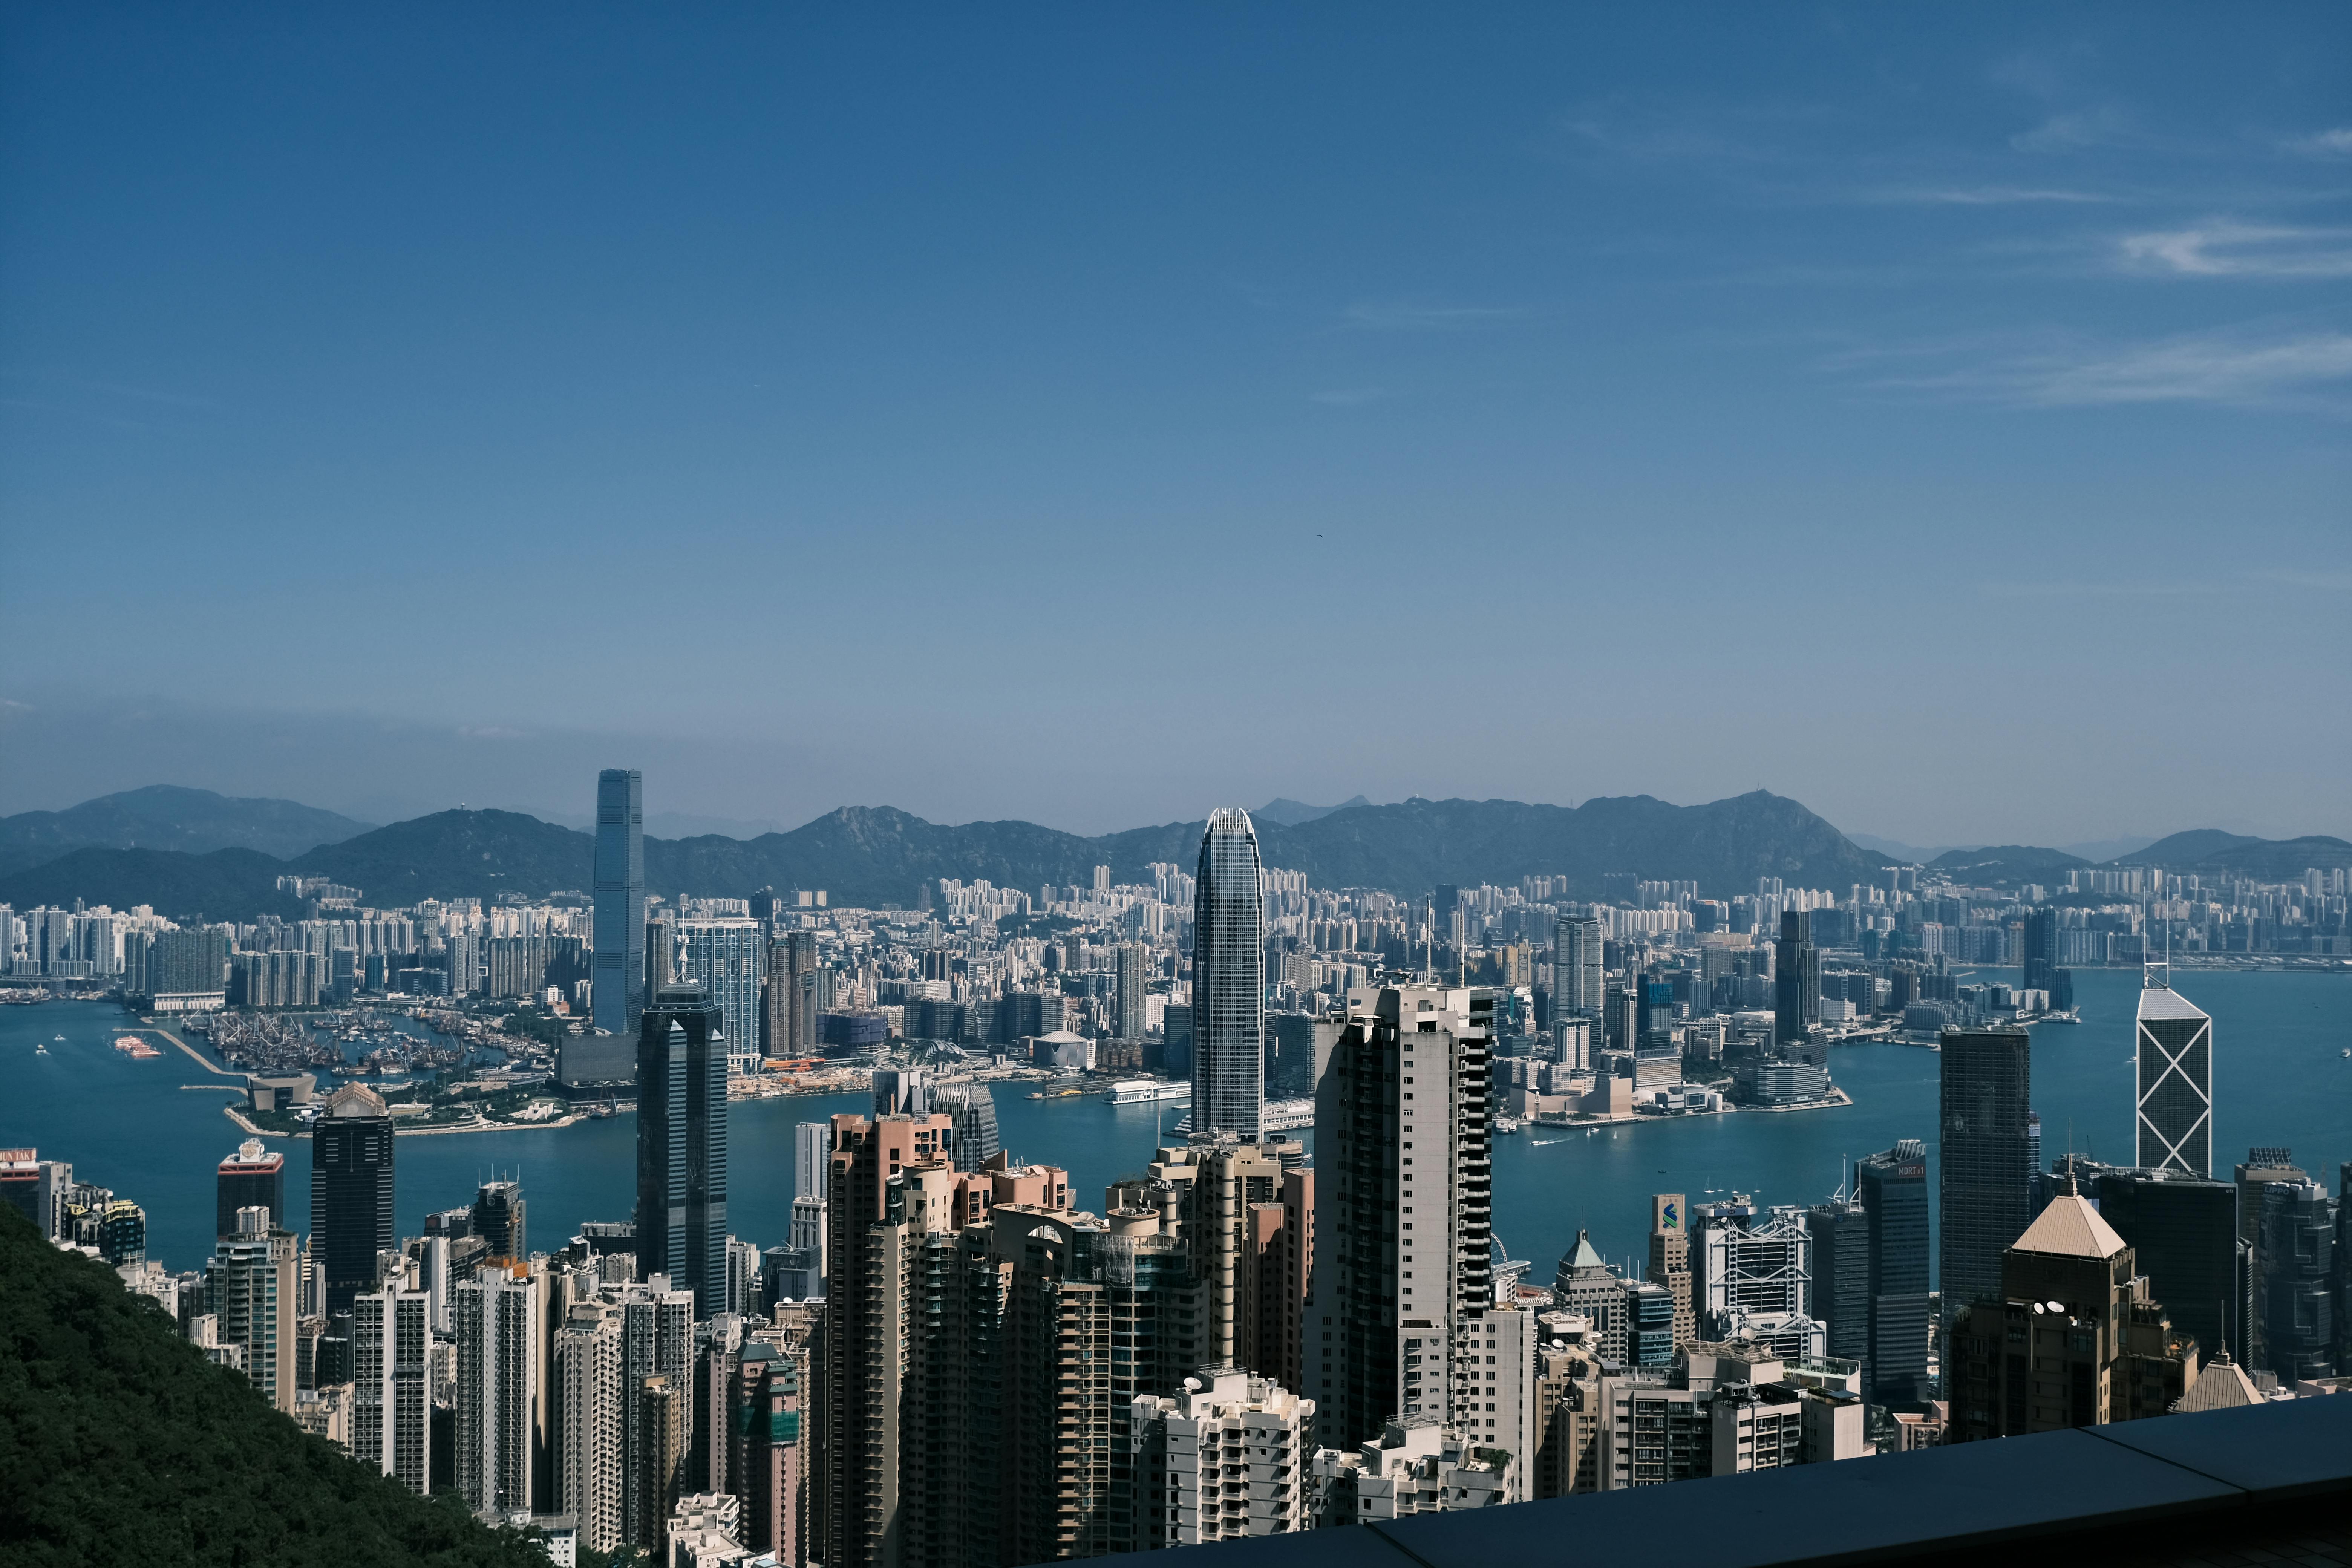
(350, 1192)
(682, 1145)
(727, 954)
(620, 900)
(1893, 1187)
(1985, 1169)
(1576, 970)
(1228, 979)
(2174, 1058)
(1796, 981)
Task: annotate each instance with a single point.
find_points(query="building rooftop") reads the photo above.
(355, 1099)
(2070, 1227)
(2222, 1386)
(2164, 1002)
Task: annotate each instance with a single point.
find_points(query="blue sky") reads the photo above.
(1094, 415)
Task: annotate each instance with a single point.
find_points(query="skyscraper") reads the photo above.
(1403, 1280)
(350, 1192)
(2183, 1230)
(656, 1374)
(1892, 1188)
(1228, 979)
(620, 900)
(1840, 1284)
(391, 1408)
(2265, 1166)
(1576, 971)
(2174, 1125)
(2039, 959)
(1133, 957)
(2297, 1258)
(2072, 1335)
(499, 1396)
(682, 1145)
(249, 1289)
(728, 957)
(1657, 1054)
(976, 1141)
(498, 1220)
(1796, 978)
(1987, 1093)
(791, 1027)
(253, 1176)
(1670, 1267)
(876, 1230)
(589, 1423)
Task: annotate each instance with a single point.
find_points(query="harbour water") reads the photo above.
(2279, 1078)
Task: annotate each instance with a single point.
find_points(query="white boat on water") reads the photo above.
(1145, 1091)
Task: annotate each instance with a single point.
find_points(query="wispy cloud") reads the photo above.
(2335, 143)
(1406, 316)
(2243, 366)
(2103, 125)
(2223, 249)
(1986, 196)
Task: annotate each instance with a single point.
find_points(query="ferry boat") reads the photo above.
(1505, 1124)
(1145, 1091)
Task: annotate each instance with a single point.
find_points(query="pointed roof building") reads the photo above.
(2222, 1386)
(2070, 1227)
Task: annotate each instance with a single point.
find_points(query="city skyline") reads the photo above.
(2012, 348)
(634, 926)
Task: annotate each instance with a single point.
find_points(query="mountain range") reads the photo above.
(167, 816)
(224, 856)
(876, 855)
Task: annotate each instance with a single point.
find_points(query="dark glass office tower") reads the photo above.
(682, 1145)
(2297, 1261)
(498, 1219)
(253, 1177)
(2174, 1057)
(1841, 1281)
(1988, 1091)
(350, 1192)
(2183, 1229)
(1796, 978)
(2041, 959)
(1228, 981)
(620, 900)
(1892, 1188)
(2041, 955)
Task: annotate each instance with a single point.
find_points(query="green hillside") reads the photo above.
(121, 1444)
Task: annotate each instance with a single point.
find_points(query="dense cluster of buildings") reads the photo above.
(952, 1358)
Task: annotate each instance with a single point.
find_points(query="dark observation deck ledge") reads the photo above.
(2268, 1483)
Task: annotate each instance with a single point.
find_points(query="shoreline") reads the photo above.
(1837, 1098)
